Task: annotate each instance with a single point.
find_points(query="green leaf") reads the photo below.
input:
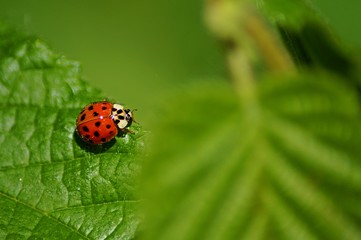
(342, 18)
(309, 38)
(52, 185)
(288, 168)
(291, 13)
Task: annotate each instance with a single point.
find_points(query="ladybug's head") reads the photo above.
(129, 116)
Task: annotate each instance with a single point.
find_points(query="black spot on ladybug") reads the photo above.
(114, 109)
(87, 136)
(119, 111)
(90, 107)
(104, 108)
(121, 117)
(95, 114)
(97, 124)
(108, 126)
(111, 132)
(103, 139)
(96, 133)
(82, 117)
(85, 129)
(117, 121)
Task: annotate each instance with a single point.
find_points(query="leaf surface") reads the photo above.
(287, 169)
(52, 185)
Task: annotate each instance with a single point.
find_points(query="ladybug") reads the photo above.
(100, 122)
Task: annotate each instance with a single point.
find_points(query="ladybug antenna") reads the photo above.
(134, 110)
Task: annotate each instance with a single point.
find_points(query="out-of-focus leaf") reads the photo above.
(53, 186)
(291, 13)
(342, 17)
(289, 169)
(309, 39)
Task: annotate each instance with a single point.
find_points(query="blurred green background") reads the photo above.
(138, 51)
(135, 51)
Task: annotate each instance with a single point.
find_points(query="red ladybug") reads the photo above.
(100, 122)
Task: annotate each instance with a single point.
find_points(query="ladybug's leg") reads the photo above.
(128, 131)
(133, 120)
(124, 131)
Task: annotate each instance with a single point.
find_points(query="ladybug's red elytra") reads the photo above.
(100, 122)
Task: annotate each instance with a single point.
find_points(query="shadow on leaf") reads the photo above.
(96, 149)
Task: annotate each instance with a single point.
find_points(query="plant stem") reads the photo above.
(252, 49)
(269, 46)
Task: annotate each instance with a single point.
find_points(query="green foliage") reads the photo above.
(272, 152)
(291, 170)
(273, 155)
(52, 185)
